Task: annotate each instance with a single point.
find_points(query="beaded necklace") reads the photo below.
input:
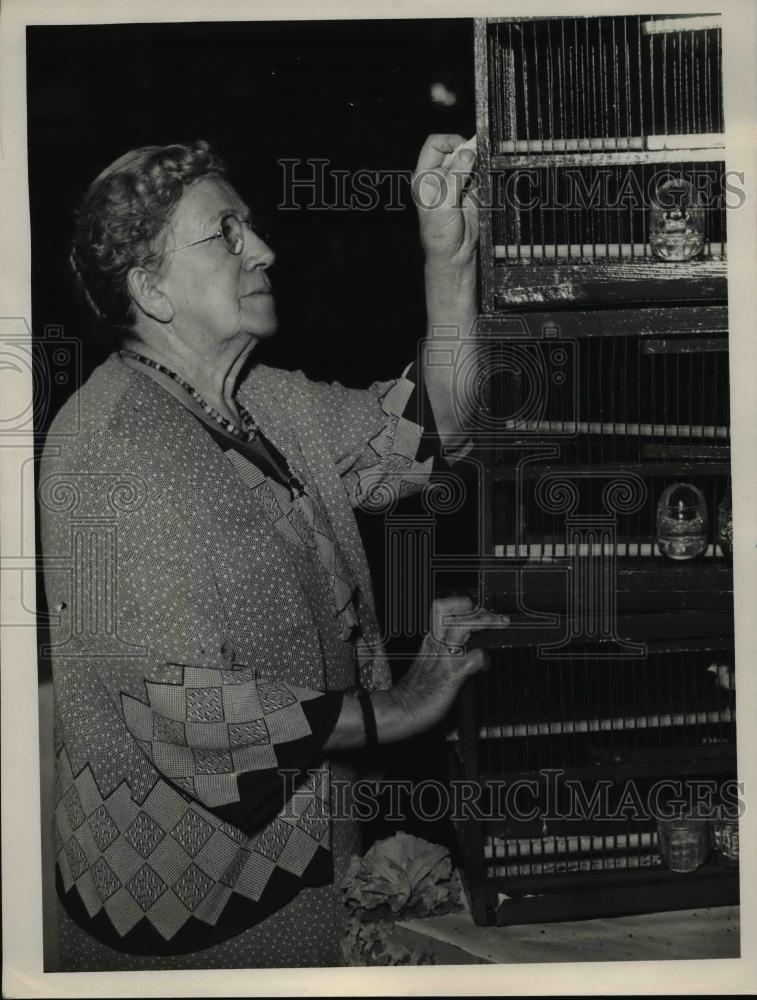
(249, 428)
(249, 431)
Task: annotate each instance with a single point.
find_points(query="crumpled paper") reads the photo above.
(373, 944)
(401, 877)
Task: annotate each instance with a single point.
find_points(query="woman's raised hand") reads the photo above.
(444, 190)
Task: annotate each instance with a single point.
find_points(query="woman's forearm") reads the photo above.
(392, 722)
(451, 309)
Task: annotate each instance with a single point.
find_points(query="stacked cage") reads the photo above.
(587, 120)
(602, 395)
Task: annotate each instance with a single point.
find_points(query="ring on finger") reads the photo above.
(452, 649)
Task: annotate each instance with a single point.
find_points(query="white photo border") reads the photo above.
(21, 834)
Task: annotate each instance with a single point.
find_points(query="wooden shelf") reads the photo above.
(685, 763)
(537, 590)
(605, 894)
(622, 281)
(608, 156)
(677, 624)
(640, 321)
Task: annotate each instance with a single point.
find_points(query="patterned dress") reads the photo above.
(209, 623)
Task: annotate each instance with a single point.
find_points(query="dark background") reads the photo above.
(357, 93)
(348, 284)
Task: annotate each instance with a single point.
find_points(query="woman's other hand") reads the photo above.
(428, 690)
(426, 693)
(444, 191)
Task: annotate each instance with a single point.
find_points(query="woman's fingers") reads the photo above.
(444, 188)
(444, 172)
(475, 662)
(460, 636)
(435, 149)
(459, 627)
(456, 604)
(455, 618)
(442, 608)
(481, 618)
(460, 174)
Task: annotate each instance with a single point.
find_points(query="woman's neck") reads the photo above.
(213, 374)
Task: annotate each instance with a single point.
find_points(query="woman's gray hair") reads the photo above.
(122, 217)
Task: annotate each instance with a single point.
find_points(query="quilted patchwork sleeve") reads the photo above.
(232, 741)
(380, 438)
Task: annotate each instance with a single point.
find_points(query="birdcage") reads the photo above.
(571, 774)
(602, 159)
(600, 396)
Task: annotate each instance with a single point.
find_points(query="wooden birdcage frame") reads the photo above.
(646, 344)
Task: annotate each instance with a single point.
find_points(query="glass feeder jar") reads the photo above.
(682, 522)
(684, 843)
(676, 221)
(724, 840)
(725, 524)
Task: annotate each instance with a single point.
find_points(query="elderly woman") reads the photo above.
(217, 649)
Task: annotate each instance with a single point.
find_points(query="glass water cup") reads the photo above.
(683, 843)
(682, 522)
(676, 221)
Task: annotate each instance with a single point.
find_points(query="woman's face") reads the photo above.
(214, 294)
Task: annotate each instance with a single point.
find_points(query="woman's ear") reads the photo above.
(147, 295)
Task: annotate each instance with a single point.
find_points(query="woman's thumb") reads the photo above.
(475, 662)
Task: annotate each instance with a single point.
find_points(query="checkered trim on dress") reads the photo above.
(169, 858)
(206, 735)
(389, 461)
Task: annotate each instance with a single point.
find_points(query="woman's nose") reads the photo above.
(256, 252)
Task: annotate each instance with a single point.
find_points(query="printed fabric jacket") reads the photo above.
(188, 667)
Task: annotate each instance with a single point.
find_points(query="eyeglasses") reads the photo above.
(230, 231)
